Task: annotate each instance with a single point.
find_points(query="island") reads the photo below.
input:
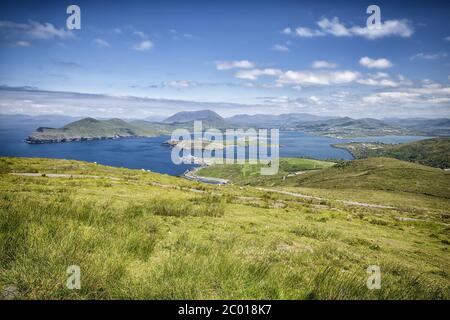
(92, 129)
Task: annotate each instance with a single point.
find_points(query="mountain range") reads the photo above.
(90, 129)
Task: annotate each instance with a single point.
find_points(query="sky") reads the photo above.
(138, 59)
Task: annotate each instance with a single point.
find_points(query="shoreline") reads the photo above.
(192, 175)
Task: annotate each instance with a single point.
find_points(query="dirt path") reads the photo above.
(192, 175)
(353, 203)
(60, 175)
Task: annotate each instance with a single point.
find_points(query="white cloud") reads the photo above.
(143, 45)
(447, 38)
(280, 47)
(287, 31)
(36, 30)
(101, 43)
(307, 78)
(47, 31)
(254, 74)
(375, 63)
(333, 27)
(388, 28)
(424, 101)
(429, 56)
(315, 100)
(308, 33)
(390, 96)
(322, 64)
(227, 65)
(381, 79)
(430, 93)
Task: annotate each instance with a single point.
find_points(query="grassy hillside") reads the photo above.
(369, 174)
(249, 174)
(380, 174)
(430, 152)
(140, 235)
(380, 181)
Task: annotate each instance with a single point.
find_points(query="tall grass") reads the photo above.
(208, 206)
(137, 241)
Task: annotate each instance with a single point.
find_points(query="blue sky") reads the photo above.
(153, 58)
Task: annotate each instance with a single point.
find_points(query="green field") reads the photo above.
(141, 235)
(250, 174)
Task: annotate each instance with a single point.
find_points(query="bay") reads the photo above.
(150, 154)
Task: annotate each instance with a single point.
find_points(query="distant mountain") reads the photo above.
(266, 120)
(155, 118)
(93, 129)
(348, 127)
(432, 127)
(188, 116)
(90, 128)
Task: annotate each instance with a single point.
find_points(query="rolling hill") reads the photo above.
(142, 235)
(379, 174)
(369, 174)
(431, 152)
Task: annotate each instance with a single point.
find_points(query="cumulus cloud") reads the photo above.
(254, 74)
(227, 65)
(33, 30)
(143, 45)
(308, 33)
(375, 63)
(322, 64)
(286, 31)
(334, 27)
(389, 28)
(381, 79)
(321, 77)
(429, 93)
(101, 43)
(308, 78)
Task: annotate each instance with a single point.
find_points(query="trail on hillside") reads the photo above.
(293, 194)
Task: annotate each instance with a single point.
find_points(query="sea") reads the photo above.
(151, 154)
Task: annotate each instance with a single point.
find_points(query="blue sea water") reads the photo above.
(150, 154)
